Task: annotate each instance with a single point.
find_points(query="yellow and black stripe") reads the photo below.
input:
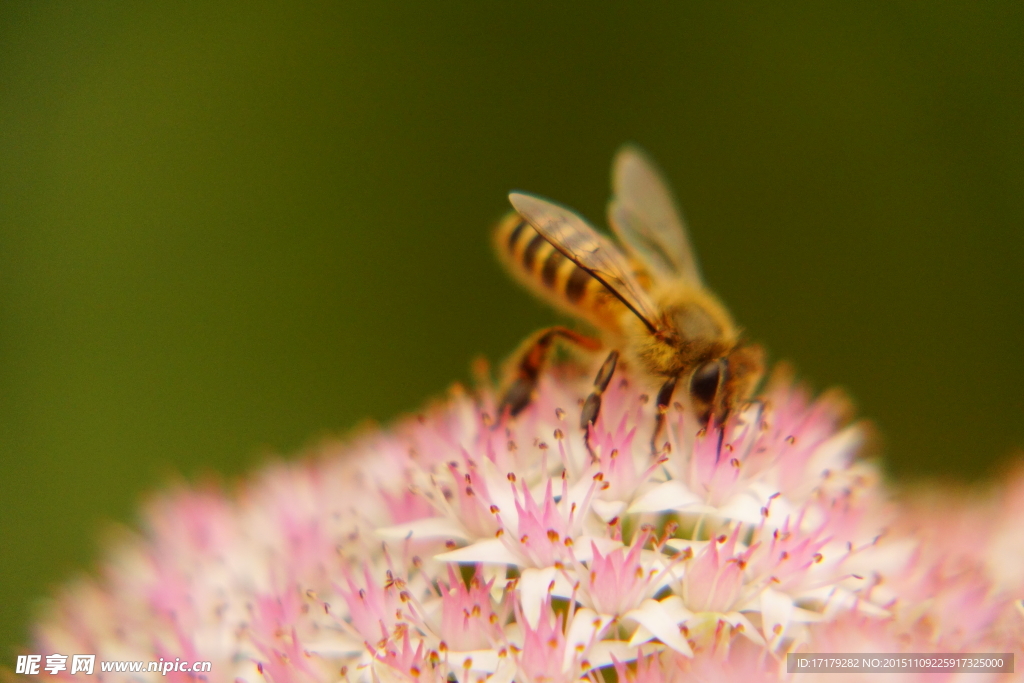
(546, 271)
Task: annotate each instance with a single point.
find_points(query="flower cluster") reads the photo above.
(466, 546)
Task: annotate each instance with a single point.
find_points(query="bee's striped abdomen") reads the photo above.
(545, 270)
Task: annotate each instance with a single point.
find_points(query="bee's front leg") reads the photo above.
(592, 406)
(661, 408)
(531, 356)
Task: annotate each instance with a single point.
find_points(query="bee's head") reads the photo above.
(717, 385)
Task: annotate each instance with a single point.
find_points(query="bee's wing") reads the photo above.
(570, 234)
(643, 214)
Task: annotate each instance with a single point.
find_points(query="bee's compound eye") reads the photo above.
(704, 384)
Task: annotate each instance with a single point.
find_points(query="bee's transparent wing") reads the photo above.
(570, 234)
(643, 214)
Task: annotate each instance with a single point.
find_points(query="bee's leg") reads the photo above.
(526, 370)
(661, 408)
(592, 406)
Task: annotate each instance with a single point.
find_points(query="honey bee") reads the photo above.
(648, 302)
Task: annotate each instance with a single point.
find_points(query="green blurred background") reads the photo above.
(228, 230)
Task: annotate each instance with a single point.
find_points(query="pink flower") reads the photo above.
(468, 619)
(452, 547)
(616, 583)
(541, 658)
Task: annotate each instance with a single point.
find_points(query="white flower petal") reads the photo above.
(681, 544)
(608, 510)
(804, 616)
(506, 671)
(671, 495)
(736, 619)
(585, 627)
(743, 507)
(836, 452)
(479, 660)
(495, 575)
(491, 551)
(499, 492)
(640, 636)
(583, 547)
(603, 650)
(533, 589)
(577, 492)
(675, 608)
(776, 612)
(658, 619)
(432, 527)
